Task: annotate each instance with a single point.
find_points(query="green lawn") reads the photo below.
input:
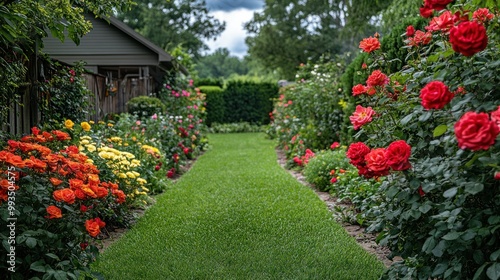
(238, 215)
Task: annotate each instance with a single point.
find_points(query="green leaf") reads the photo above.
(440, 130)
(38, 266)
(406, 119)
(439, 249)
(53, 256)
(440, 268)
(450, 192)
(451, 235)
(493, 272)
(479, 273)
(425, 208)
(494, 255)
(474, 188)
(31, 242)
(60, 275)
(425, 116)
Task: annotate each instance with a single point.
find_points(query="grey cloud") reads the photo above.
(230, 5)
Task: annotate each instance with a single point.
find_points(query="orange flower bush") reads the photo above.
(59, 201)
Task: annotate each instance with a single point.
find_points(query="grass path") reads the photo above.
(238, 215)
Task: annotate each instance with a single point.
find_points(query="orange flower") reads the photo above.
(369, 45)
(80, 194)
(3, 195)
(66, 195)
(120, 196)
(92, 228)
(93, 178)
(88, 191)
(55, 181)
(102, 192)
(47, 136)
(14, 160)
(75, 184)
(35, 163)
(61, 136)
(54, 212)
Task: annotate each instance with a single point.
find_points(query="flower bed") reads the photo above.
(429, 131)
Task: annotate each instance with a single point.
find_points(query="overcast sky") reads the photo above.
(235, 13)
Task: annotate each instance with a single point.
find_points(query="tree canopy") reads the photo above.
(172, 23)
(220, 64)
(290, 32)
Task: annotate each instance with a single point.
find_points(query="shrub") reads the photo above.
(247, 101)
(215, 104)
(209, 82)
(145, 106)
(440, 215)
(64, 95)
(323, 166)
(235, 128)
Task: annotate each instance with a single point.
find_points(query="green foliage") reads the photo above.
(441, 215)
(247, 101)
(220, 64)
(235, 128)
(172, 23)
(393, 44)
(215, 104)
(64, 95)
(312, 109)
(209, 82)
(319, 169)
(145, 106)
(294, 32)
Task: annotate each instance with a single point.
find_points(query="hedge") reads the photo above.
(215, 104)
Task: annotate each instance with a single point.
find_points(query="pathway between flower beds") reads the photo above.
(238, 215)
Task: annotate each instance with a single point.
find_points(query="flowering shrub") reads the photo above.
(54, 198)
(437, 119)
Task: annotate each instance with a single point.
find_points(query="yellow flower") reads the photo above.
(343, 104)
(84, 142)
(143, 188)
(89, 161)
(134, 138)
(131, 175)
(91, 122)
(126, 144)
(116, 139)
(81, 148)
(137, 174)
(91, 148)
(69, 124)
(101, 122)
(110, 124)
(122, 175)
(193, 137)
(85, 126)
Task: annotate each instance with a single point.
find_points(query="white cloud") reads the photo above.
(233, 38)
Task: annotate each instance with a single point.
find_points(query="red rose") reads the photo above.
(410, 31)
(397, 155)
(369, 45)
(356, 153)
(361, 116)
(377, 162)
(437, 4)
(426, 12)
(497, 175)
(443, 22)
(420, 39)
(334, 145)
(481, 15)
(476, 131)
(377, 78)
(435, 95)
(468, 38)
(358, 89)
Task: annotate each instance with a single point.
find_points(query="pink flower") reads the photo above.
(334, 145)
(377, 78)
(333, 180)
(482, 15)
(358, 89)
(443, 22)
(154, 117)
(191, 82)
(138, 122)
(361, 116)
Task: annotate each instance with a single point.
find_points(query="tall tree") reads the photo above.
(169, 23)
(220, 64)
(290, 32)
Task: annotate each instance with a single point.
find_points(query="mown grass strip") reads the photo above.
(238, 215)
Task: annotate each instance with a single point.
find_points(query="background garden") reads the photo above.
(404, 129)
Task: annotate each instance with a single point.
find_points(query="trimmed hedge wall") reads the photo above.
(240, 101)
(215, 104)
(247, 101)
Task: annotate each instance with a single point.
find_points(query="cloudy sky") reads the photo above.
(235, 13)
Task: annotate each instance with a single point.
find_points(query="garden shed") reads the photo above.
(124, 63)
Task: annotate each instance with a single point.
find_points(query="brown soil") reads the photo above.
(364, 239)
